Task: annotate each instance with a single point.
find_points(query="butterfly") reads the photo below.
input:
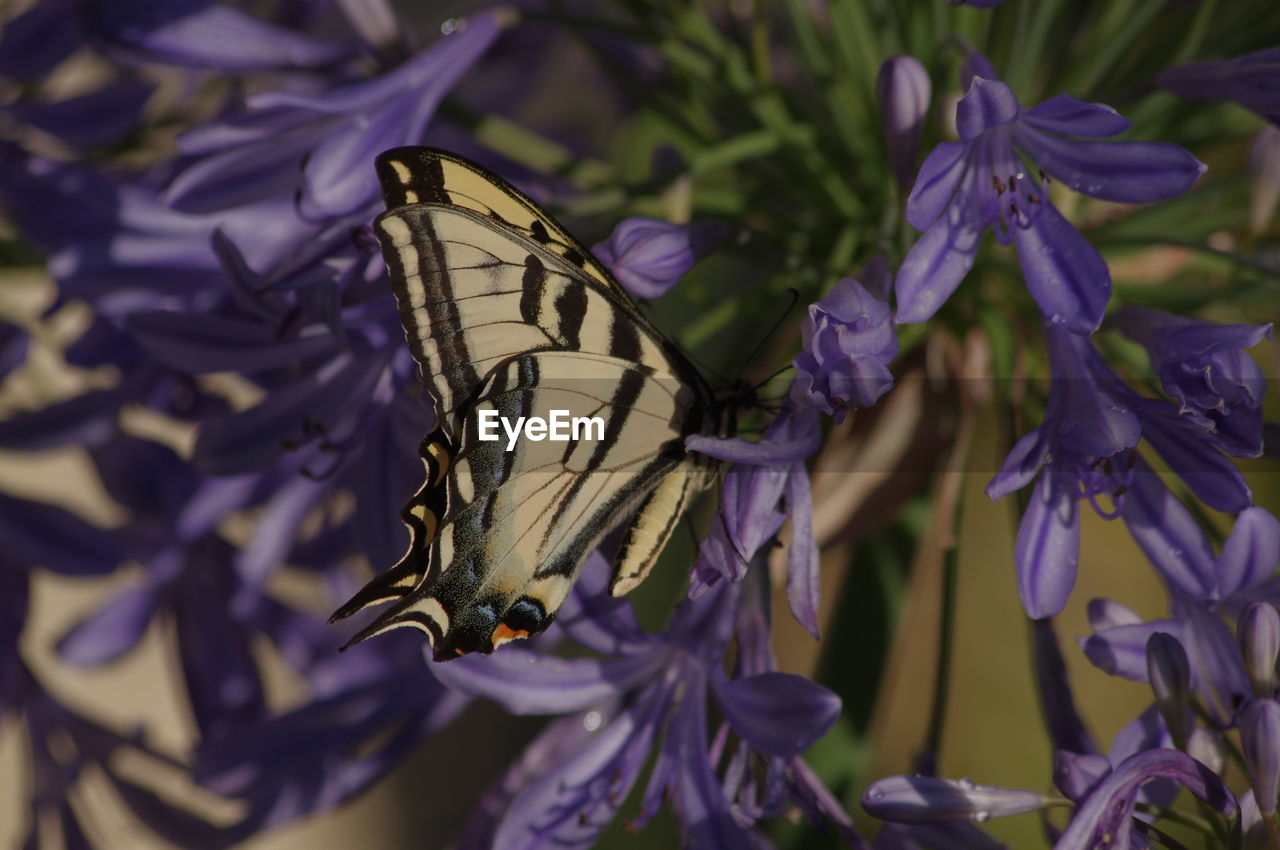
(509, 316)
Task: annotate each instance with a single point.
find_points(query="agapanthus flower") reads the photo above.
(1086, 448)
(648, 256)
(1252, 80)
(847, 344)
(766, 484)
(902, 92)
(1106, 796)
(1204, 588)
(983, 181)
(647, 692)
(1203, 367)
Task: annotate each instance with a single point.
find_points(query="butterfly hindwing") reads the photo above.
(510, 319)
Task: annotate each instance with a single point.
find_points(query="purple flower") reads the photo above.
(1083, 448)
(767, 483)
(1086, 448)
(319, 146)
(1204, 587)
(650, 692)
(648, 256)
(1107, 813)
(847, 345)
(1203, 367)
(982, 181)
(902, 91)
(1252, 80)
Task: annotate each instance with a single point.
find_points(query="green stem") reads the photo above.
(928, 760)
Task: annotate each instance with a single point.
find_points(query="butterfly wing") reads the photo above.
(508, 316)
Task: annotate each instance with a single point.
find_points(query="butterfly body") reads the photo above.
(510, 319)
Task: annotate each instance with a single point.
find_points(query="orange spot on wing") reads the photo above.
(504, 633)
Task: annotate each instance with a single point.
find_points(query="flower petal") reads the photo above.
(1066, 277)
(1171, 538)
(1070, 117)
(803, 579)
(1047, 550)
(525, 682)
(1122, 650)
(779, 714)
(1251, 553)
(986, 105)
(111, 630)
(940, 259)
(1108, 810)
(1129, 172)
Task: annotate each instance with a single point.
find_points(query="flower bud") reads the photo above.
(1260, 742)
(1258, 630)
(903, 90)
(1170, 675)
(847, 345)
(648, 256)
(926, 799)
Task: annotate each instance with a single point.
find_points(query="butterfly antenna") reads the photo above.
(795, 299)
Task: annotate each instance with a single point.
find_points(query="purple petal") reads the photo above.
(1213, 478)
(1122, 650)
(34, 42)
(42, 535)
(201, 343)
(218, 37)
(525, 682)
(1104, 614)
(1047, 550)
(798, 435)
(337, 176)
(598, 621)
(986, 105)
(928, 799)
(1070, 117)
(570, 804)
(1169, 674)
(708, 823)
(13, 347)
(1066, 277)
(803, 578)
(1109, 808)
(275, 532)
(937, 182)
(1215, 657)
(1129, 172)
(244, 174)
(248, 440)
(1021, 465)
(779, 714)
(1251, 553)
(111, 630)
(144, 476)
(92, 120)
(1171, 538)
(83, 420)
(940, 259)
